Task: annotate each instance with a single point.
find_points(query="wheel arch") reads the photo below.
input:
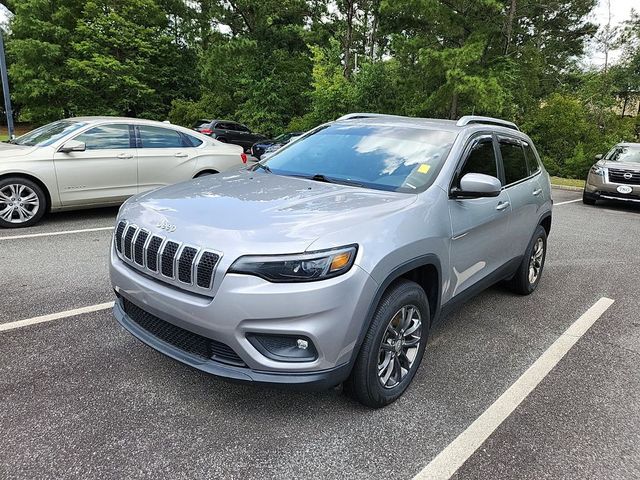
(545, 222)
(35, 180)
(209, 171)
(426, 271)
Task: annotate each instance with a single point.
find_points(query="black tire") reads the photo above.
(588, 199)
(6, 200)
(521, 282)
(364, 384)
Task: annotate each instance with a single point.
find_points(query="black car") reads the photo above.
(228, 132)
(258, 149)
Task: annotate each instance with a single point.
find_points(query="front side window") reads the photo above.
(158, 137)
(481, 158)
(513, 160)
(106, 137)
(48, 134)
(402, 159)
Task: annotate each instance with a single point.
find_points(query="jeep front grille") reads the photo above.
(628, 177)
(186, 266)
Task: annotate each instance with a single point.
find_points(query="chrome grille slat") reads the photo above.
(185, 266)
(618, 176)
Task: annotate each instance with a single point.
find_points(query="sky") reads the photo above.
(620, 10)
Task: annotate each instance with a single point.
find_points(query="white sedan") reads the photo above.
(100, 161)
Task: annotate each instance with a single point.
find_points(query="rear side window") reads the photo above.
(532, 159)
(195, 142)
(157, 137)
(513, 159)
(481, 159)
(106, 137)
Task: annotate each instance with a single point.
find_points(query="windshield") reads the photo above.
(625, 154)
(402, 159)
(43, 136)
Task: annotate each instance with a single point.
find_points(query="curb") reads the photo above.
(567, 187)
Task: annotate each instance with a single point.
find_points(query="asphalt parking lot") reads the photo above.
(81, 398)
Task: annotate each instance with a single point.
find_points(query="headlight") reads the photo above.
(597, 170)
(304, 267)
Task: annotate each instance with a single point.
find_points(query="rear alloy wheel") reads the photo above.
(22, 203)
(393, 346)
(526, 279)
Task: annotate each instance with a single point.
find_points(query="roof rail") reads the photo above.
(470, 119)
(351, 116)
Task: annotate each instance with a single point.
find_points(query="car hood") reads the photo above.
(255, 212)
(622, 165)
(10, 150)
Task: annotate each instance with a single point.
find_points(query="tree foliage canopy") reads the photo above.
(292, 64)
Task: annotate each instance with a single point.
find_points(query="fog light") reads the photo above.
(284, 348)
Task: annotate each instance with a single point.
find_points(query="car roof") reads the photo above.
(467, 123)
(628, 144)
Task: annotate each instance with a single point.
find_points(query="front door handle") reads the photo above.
(502, 206)
(537, 192)
(125, 155)
(181, 155)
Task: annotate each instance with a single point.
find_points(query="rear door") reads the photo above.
(165, 156)
(106, 172)
(480, 226)
(524, 190)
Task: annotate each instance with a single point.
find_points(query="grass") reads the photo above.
(3, 137)
(567, 182)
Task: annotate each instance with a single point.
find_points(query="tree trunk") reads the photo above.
(348, 39)
(374, 30)
(453, 111)
(509, 32)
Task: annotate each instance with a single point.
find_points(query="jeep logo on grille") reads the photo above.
(164, 225)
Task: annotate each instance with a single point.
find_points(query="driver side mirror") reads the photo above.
(73, 146)
(477, 185)
(599, 156)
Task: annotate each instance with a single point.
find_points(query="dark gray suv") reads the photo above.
(228, 132)
(331, 261)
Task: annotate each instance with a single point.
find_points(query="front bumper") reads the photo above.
(330, 313)
(599, 187)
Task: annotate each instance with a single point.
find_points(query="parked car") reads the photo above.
(228, 132)
(100, 161)
(616, 176)
(331, 261)
(269, 146)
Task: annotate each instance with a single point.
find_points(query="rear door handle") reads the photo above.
(181, 155)
(125, 155)
(537, 192)
(502, 206)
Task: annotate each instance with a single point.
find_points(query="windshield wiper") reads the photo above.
(318, 177)
(263, 166)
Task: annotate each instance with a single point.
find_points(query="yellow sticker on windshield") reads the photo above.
(424, 168)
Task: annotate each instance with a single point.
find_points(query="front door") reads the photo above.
(106, 172)
(480, 226)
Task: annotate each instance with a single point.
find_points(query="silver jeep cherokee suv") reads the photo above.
(330, 262)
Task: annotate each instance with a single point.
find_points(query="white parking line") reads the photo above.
(449, 460)
(48, 234)
(54, 316)
(570, 201)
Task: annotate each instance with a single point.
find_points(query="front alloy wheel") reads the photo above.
(399, 347)
(393, 346)
(22, 203)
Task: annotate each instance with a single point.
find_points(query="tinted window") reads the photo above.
(196, 142)
(48, 134)
(242, 128)
(382, 157)
(106, 137)
(482, 159)
(514, 161)
(223, 126)
(532, 159)
(157, 137)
